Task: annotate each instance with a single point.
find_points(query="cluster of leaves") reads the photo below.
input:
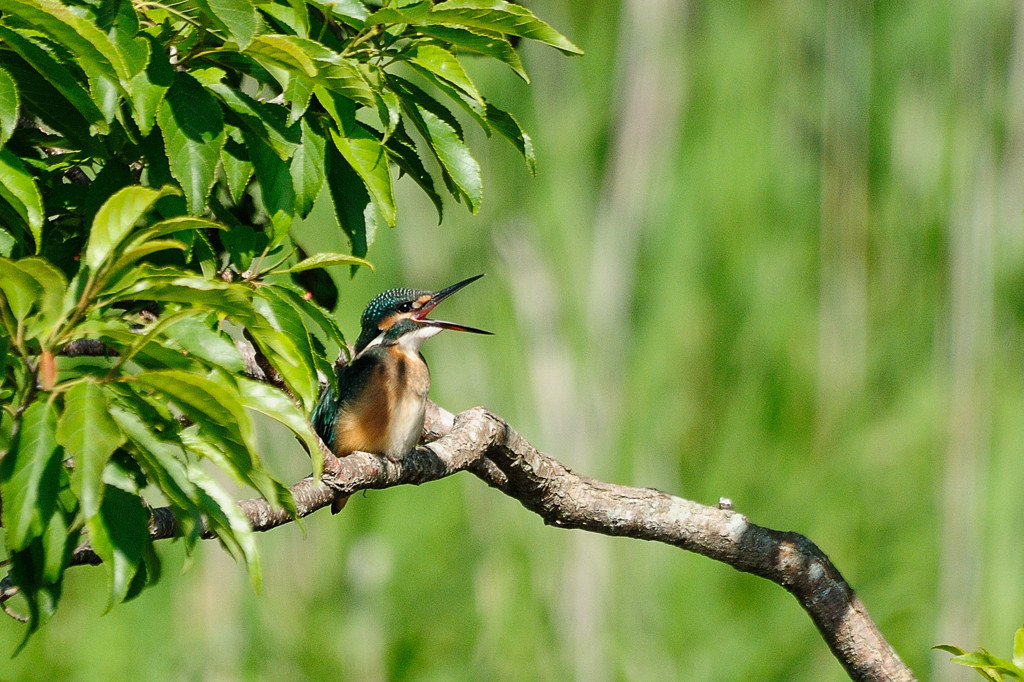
(991, 667)
(152, 159)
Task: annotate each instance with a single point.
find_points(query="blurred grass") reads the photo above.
(708, 382)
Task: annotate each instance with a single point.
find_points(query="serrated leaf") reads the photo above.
(163, 462)
(507, 126)
(458, 164)
(119, 533)
(52, 286)
(229, 523)
(234, 159)
(116, 218)
(486, 43)
(90, 436)
(54, 542)
(307, 169)
(18, 189)
(9, 105)
(149, 86)
(320, 316)
(283, 50)
(325, 260)
(500, 17)
(199, 339)
(356, 213)
(30, 476)
(91, 47)
(20, 290)
(444, 65)
(50, 87)
(238, 16)
(403, 152)
(192, 126)
(289, 360)
(364, 154)
(272, 402)
(275, 183)
(212, 402)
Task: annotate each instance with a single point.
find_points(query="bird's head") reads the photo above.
(400, 315)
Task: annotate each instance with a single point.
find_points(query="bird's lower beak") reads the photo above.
(421, 314)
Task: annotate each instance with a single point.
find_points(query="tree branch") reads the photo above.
(487, 446)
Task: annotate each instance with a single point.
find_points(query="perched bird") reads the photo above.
(379, 404)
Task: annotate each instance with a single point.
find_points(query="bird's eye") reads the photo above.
(404, 307)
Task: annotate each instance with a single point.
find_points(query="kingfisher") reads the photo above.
(381, 397)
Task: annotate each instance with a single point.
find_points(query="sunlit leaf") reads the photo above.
(325, 260)
(9, 105)
(18, 189)
(116, 218)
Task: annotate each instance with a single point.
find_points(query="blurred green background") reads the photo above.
(773, 252)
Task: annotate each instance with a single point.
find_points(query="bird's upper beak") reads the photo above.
(421, 314)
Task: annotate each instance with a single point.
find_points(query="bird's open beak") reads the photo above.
(421, 314)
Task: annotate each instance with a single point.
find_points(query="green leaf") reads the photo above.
(275, 183)
(148, 87)
(163, 462)
(88, 434)
(325, 260)
(18, 189)
(506, 125)
(499, 17)
(54, 541)
(201, 339)
(403, 152)
(116, 218)
(285, 51)
(274, 403)
(461, 170)
(30, 476)
(357, 214)
(212, 403)
(486, 43)
(120, 535)
(234, 159)
(9, 105)
(20, 289)
(318, 315)
(91, 47)
(237, 16)
(193, 130)
(364, 154)
(444, 65)
(232, 527)
(53, 91)
(290, 359)
(307, 169)
(50, 301)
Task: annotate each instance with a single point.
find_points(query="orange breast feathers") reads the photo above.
(386, 417)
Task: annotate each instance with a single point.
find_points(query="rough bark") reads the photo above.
(484, 444)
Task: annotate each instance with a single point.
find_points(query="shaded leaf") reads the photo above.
(307, 169)
(119, 533)
(192, 126)
(30, 476)
(88, 434)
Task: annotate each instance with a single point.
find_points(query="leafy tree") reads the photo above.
(153, 157)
